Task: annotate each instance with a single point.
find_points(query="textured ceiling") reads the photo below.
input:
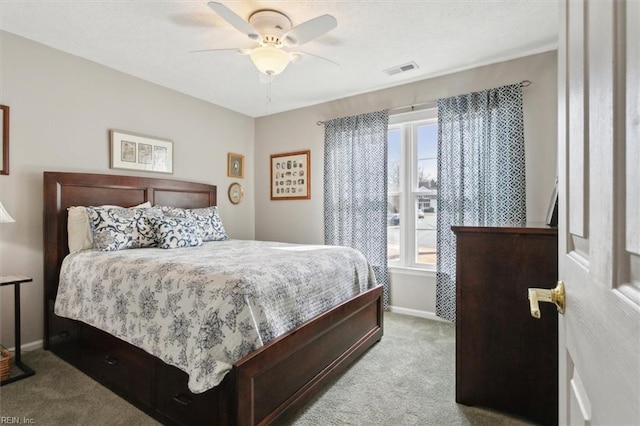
(154, 40)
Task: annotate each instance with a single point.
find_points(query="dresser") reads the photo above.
(506, 360)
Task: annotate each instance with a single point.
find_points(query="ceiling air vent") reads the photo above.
(401, 68)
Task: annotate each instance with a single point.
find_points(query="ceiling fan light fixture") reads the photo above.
(273, 30)
(269, 59)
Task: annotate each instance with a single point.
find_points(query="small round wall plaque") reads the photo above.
(235, 193)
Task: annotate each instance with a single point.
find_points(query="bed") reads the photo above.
(266, 386)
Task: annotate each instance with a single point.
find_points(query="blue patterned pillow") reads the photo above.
(175, 232)
(209, 224)
(120, 228)
(146, 229)
(113, 228)
(207, 221)
(172, 211)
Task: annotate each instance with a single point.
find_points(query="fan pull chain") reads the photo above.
(270, 79)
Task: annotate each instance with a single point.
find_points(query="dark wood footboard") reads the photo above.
(274, 381)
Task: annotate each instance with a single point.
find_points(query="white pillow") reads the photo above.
(79, 233)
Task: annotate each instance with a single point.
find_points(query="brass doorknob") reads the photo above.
(555, 296)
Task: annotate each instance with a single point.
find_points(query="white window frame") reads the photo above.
(408, 124)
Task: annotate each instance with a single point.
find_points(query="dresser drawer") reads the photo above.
(175, 401)
(120, 366)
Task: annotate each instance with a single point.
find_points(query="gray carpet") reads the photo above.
(406, 379)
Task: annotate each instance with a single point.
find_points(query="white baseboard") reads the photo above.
(416, 313)
(32, 346)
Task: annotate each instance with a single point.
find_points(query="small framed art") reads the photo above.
(138, 152)
(235, 165)
(291, 176)
(235, 193)
(4, 152)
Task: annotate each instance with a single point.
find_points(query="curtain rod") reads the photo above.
(523, 83)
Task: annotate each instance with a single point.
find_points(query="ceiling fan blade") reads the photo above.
(234, 19)
(237, 50)
(295, 57)
(309, 30)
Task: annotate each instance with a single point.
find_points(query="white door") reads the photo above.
(599, 221)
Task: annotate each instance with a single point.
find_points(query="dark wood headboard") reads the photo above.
(63, 190)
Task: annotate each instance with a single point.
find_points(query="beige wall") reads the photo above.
(62, 108)
(302, 221)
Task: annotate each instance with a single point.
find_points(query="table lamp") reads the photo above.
(4, 216)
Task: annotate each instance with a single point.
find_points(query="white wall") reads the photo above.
(62, 108)
(302, 221)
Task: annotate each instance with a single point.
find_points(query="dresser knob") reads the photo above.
(110, 360)
(182, 399)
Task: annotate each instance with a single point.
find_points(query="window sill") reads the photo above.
(413, 270)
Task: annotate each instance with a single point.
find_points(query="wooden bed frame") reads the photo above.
(266, 386)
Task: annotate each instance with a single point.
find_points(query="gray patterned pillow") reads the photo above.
(120, 228)
(175, 232)
(207, 221)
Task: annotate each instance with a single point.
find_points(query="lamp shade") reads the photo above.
(269, 59)
(4, 216)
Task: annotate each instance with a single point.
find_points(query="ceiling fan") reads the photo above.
(273, 32)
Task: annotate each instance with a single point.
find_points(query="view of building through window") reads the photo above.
(412, 193)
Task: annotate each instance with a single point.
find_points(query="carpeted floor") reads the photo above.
(406, 379)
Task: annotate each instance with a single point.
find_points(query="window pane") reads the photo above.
(425, 232)
(427, 167)
(393, 227)
(393, 160)
(427, 189)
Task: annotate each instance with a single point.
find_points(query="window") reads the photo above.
(412, 205)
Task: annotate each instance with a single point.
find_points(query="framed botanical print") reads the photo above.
(291, 176)
(138, 152)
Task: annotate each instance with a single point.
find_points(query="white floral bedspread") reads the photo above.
(203, 308)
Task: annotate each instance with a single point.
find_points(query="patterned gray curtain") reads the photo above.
(481, 173)
(355, 188)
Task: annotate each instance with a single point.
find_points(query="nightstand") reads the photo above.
(27, 371)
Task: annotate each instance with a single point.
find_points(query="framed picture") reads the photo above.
(235, 165)
(235, 193)
(137, 152)
(4, 153)
(291, 176)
